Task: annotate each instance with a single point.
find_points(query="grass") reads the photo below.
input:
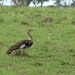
(53, 51)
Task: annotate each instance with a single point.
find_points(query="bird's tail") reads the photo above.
(9, 50)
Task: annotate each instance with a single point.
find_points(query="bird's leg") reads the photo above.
(26, 54)
(22, 52)
(17, 52)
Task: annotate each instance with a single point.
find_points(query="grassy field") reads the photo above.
(53, 51)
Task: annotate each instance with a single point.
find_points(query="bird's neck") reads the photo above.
(30, 37)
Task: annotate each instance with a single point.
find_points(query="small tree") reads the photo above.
(15, 2)
(42, 2)
(21, 2)
(73, 4)
(65, 4)
(2, 1)
(27, 2)
(35, 2)
(58, 2)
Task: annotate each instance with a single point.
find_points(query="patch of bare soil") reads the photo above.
(1, 43)
(47, 19)
(37, 15)
(24, 23)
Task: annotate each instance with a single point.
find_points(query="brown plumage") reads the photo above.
(21, 44)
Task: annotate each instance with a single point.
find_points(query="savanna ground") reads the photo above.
(53, 51)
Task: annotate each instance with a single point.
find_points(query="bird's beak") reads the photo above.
(32, 30)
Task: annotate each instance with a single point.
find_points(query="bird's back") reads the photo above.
(26, 43)
(21, 44)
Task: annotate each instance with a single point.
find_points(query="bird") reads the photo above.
(23, 44)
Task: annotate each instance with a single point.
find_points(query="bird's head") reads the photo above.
(29, 31)
(30, 37)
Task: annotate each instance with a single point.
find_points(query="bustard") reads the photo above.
(23, 44)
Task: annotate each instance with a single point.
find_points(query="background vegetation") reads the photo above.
(53, 51)
(55, 3)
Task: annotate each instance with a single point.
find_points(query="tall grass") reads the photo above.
(53, 51)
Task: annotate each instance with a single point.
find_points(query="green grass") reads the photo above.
(53, 51)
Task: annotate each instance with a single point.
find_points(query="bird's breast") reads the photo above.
(26, 45)
(23, 46)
